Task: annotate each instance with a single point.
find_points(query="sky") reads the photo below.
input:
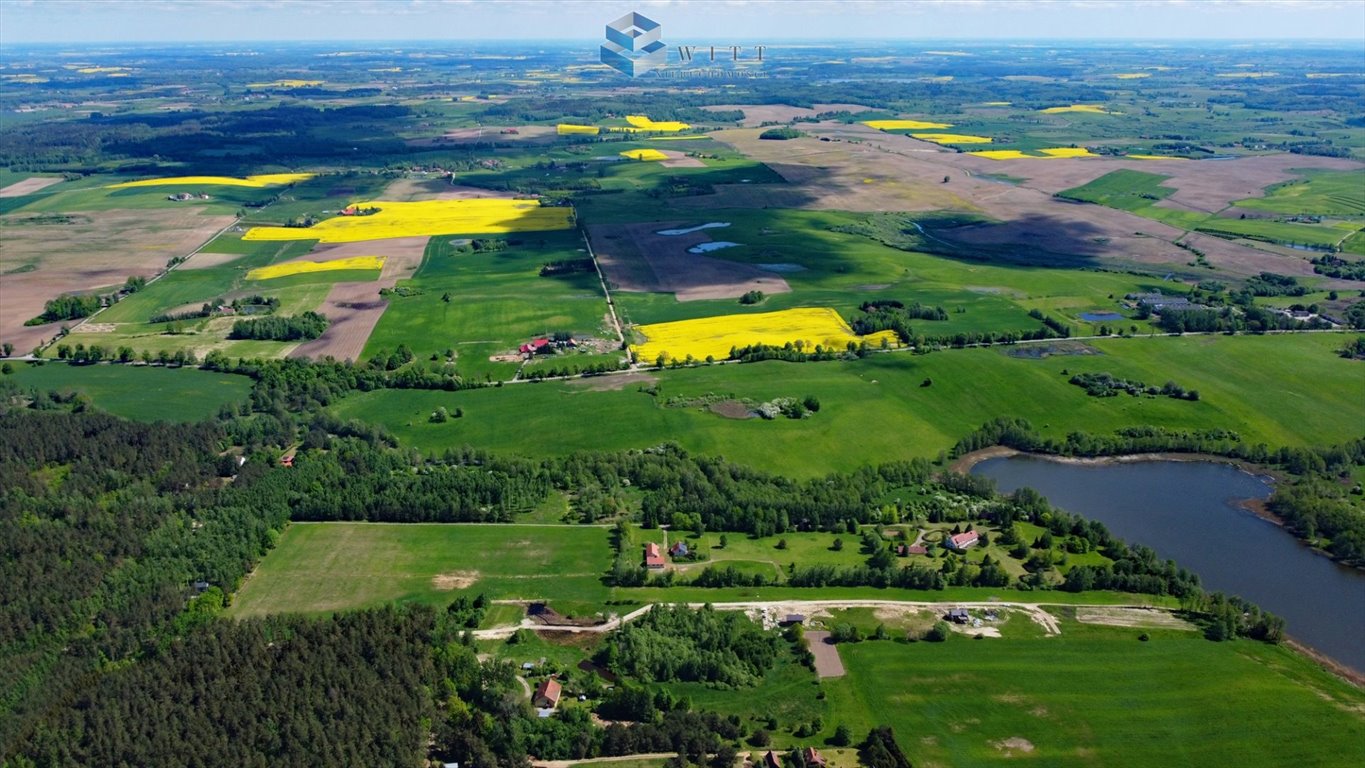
(111, 21)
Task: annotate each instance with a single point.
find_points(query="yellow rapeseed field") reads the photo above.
(487, 216)
(1133, 75)
(1068, 152)
(952, 138)
(644, 154)
(263, 180)
(305, 267)
(716, 335)
(666, 126)
(1001, 154)
(1094, 109)
(100, 70)
(286, 84)
(905, 125)
(1154, 157)
(995, 103)
(569, 129)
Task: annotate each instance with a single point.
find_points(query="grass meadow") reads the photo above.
(1097, 696)
(325, 567)
(185, 394)
(1280, 390)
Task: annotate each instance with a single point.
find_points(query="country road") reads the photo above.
(1035, 612)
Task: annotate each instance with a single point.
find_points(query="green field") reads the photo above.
(1098, 696)
(481, 304)
(1280, 390)
(1335, 194)
(185, 394)
(324, 567)
(1320, 193)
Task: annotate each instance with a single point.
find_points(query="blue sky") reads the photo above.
(23, 21)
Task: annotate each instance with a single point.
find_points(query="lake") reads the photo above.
(1187, 512)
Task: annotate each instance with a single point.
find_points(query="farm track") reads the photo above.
(1036, 611)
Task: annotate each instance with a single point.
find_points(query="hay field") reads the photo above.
(263, 180)
(486, 216)
(323, 567)
(44, 256)
(715, 336)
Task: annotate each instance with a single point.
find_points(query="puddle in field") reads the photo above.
(690, 230)
(714, 246)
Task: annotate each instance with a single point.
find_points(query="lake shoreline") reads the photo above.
(1256, 506)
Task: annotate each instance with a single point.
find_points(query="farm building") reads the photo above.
(812, 757)
(653, 559)
(547, 694)
(678, 549)
(959, 616)
(960, 542)
(770, 760)
(793, 618)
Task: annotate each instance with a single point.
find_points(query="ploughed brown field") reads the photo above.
(355, 308)
(42, 257)
(635, 258)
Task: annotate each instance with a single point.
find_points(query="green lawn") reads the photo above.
(141, 393)
(1098, 696)
(324, 567)
(1280, 390)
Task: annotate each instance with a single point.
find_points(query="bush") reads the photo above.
(939, 632)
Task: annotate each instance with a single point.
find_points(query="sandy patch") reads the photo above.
(678, 159)
(208, 260)
(634, 257)
(454, 580)
(86, 252)
(1119, 616)
(29, 186)
(826, 653)
(1012, 745)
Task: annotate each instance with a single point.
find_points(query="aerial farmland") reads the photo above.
(491, 403)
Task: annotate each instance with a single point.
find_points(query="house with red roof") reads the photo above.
(959, 542)
(547, 694)
(653, 557)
